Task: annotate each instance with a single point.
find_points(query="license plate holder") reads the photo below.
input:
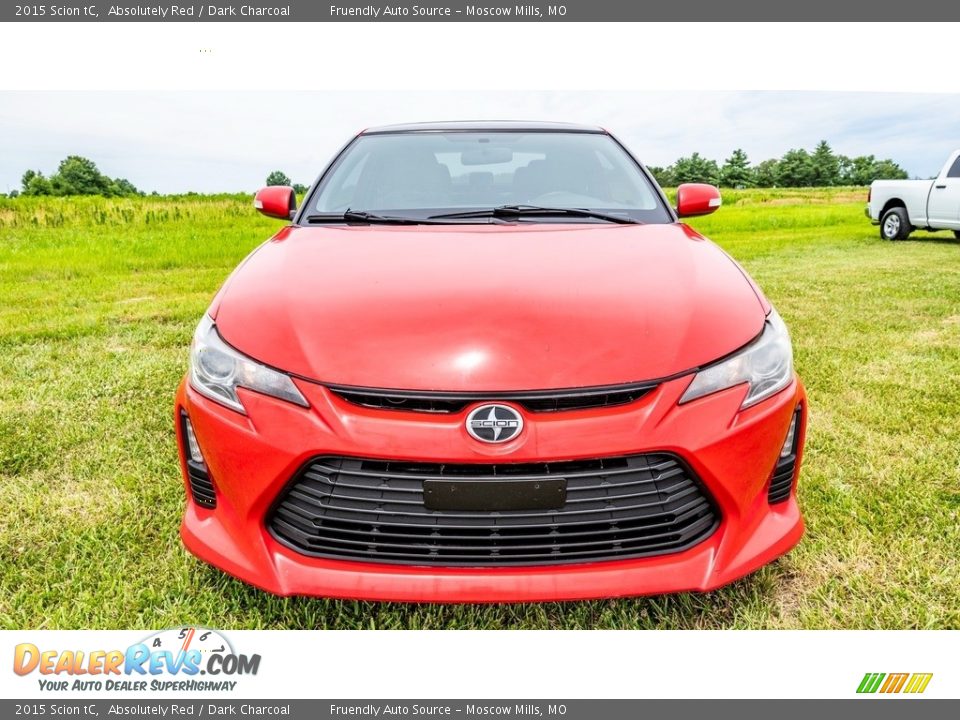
(495, 495)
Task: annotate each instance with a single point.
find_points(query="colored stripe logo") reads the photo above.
(913, 683)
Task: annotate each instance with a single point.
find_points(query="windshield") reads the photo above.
(422, 174)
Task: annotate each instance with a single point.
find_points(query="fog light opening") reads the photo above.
(198, 476)
(193, 447)
(781, 480)
(787, 449)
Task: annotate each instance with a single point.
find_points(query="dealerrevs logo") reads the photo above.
(169, 660)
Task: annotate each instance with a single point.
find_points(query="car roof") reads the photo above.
(484, 126)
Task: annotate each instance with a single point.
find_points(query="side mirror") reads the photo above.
(697, 199)
(276, 201)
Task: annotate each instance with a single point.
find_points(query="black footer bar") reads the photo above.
(867, 708)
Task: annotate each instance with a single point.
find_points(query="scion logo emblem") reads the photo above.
(494, 423)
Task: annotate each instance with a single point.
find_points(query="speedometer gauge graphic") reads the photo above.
(182, 639)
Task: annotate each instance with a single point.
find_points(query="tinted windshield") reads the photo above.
(426, 173)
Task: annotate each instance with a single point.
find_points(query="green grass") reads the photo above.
(98, 299)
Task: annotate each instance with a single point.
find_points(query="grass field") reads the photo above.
(98, 300)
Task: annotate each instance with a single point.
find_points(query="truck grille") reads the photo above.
(373, 511)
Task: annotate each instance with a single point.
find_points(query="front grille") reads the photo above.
(532, 401)
(373, 510)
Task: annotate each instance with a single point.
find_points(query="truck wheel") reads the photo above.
(895, 224)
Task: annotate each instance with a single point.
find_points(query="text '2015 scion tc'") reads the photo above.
(487, 362)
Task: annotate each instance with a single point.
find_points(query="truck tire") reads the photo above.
(895, 224)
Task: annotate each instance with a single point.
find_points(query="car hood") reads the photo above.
(488, 307)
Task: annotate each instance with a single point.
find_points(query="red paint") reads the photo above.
(697, 199)
(276, 201)
(488, 307)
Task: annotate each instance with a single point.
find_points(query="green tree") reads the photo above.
(795, 169)
(277, 178)
(76, 176)
(766, 173)
(844, 169)
(858, 170)
(888, 170)
(123, 187)
(663, 175)
(300, 188)
(79, 176)
(696, 168)
(14, 194)
(826, 166)
(34, 183)
(735, 172)
(865, 169)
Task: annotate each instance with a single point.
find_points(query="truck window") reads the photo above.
(954, 171)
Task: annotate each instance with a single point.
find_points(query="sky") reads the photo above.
(229, 141)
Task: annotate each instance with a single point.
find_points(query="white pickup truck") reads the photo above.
(901, 206)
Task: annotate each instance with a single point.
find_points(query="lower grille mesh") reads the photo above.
(373, 510)
(782, 481)
(201, 487)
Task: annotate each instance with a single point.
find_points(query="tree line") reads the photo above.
(797, 168)
(75, 176)
(78, 175)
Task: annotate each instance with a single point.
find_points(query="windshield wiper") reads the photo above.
(359, 216)
(368, 218)
(516, 211)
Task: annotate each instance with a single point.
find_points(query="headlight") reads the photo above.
(217, 370)
(766, 366)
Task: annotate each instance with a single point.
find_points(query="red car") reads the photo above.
(487, 362)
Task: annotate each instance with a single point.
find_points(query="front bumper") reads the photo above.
(252, 458)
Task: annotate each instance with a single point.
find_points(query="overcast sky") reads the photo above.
(229, 141)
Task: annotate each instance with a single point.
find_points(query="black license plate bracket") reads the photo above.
(495, 495)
